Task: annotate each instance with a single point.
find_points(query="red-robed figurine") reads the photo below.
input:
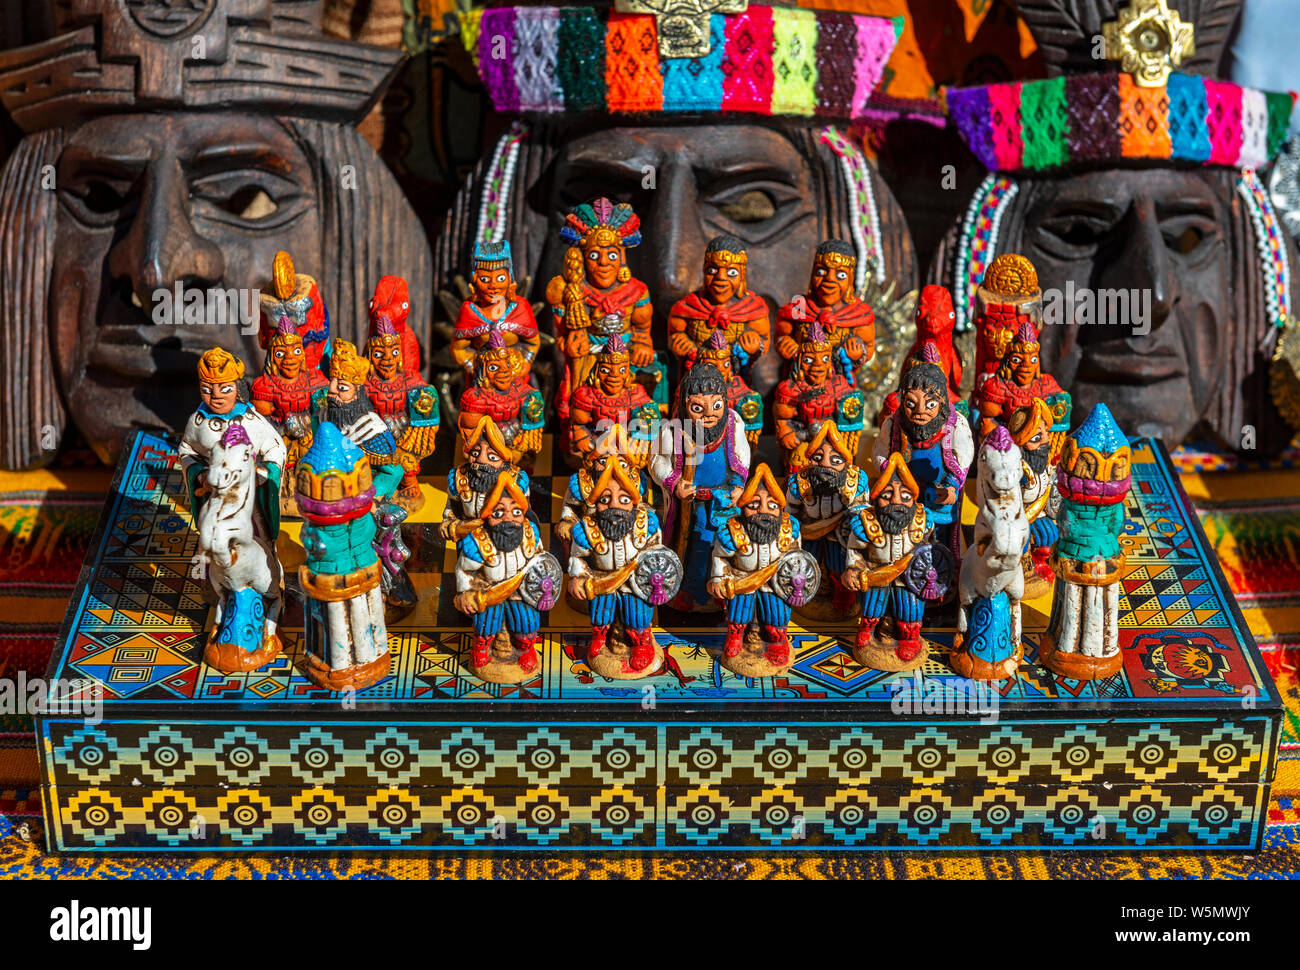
(296, 296)
(847, 322)
(812, 395)
(495, 307)
(1018, 380)
(283, 393)
(610, 396)
(723, 305)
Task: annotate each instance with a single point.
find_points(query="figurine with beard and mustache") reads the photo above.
(813, 395)
(633, 453)
(701, 471)
(881, 542)
(1031, 430)
(607, 550)
(469, 484)
(820, 496)
(748, 551)
(935, 440)
(505, 580)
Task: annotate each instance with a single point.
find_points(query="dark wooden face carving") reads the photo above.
(149, 200)
(1161, 236)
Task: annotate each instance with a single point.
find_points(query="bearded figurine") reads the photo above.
(812, 395)
(759, 571)
(502, 392)
(701, 470)
(611, 395)
(724, 306)
(1031, 430)
(933, 343)
(935, 440)
(487, 458)
(408, 405)
(831, 302)
(614, 445)
(596, 300)
(741, 398)
(505, 581)
(494, 307)
(929, 354)
(618, 564)
(283, 394)
(294, 296)
(1018, 381)
(882, 540)
(1082, 637)
(821, 495)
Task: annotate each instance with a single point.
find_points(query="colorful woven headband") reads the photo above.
(1107, 118)
(767, 61)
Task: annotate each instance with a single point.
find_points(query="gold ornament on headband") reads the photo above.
(682, 25)
(1149, 40)
(720, 257)
(834, 260)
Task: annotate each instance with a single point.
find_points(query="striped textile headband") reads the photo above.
(766, 61)
(1108, 118)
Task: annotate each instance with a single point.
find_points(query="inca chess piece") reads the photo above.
(1082, 637)
(700, 470)
(831, 302)
(883, 540)
(618, 562)
(505, 581)
(502, 392)
(346, 638)
(1031, 430)
(934, 326)
(295, 296)
(283, 393)
(821, 494)
(723, 305)
(1018, 381)
(494, 307)
(487, 457)
(408, 405)
(610, 395)
(1007, 299)
(813, 394)
(760, 571)
(614, 445)
(741, 398)
(596, 298)
(242, 564)
(987, 644)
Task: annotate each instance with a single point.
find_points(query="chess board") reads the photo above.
(1177, 749)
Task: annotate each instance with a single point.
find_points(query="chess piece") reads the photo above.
(1082, 637)
(408, 405)
(494, 307)
(610, 395)
(596, 299)
(283, 392)
(760, 571)
(934, 326)
(987, 643)
(1007, 299)
(883, 540)
(723, 305)
(700, 469)
(345, 635)
(741, 398)
(1031, 430)
(633, 453)
(505, 581)
(501, 391)
(487, 457)
(618, 563)
(813, 394)
(832, 302)
(1018, 381)
(242, 565)
(295, 296)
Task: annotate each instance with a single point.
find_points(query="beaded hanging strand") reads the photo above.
(1269, 245)
(864, 224)
(498, 183)
(977, 243)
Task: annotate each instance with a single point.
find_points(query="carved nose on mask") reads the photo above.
(1145, 266)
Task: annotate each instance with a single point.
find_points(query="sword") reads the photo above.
(819, 528)
(884, 575)
(600, 585)
(498, 593)
(751, 582)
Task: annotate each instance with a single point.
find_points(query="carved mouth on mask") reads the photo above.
(1126, 360)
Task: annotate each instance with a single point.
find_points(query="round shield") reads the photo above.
(797, 578)
(658, 576)
(543, 580)
(931, 572)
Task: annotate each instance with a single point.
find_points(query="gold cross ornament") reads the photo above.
(1149, 40)
(683, 25)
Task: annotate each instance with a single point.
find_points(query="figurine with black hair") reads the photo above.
(832, 302)
(724, 305)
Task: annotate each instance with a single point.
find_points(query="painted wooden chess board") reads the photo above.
(1177, 749)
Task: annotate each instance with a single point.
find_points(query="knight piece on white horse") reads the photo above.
(992, 584)
(242, 564)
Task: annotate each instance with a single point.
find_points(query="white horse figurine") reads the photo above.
(243, 567)
(992, 564)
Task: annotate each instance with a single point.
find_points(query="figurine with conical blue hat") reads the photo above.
(501, 391)
(815, 393)
(1082, 637)
(345, 633)
(760, 571)
(991, 586)
(494, 307)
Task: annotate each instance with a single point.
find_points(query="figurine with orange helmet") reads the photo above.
(487, 457)
(494, 307)
(283, 393)
(1017, 382)
(614, 444)
(723, 306)
(501, 392)
(296, 296)
(813, 394)
(610, 396)
(832, 302)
